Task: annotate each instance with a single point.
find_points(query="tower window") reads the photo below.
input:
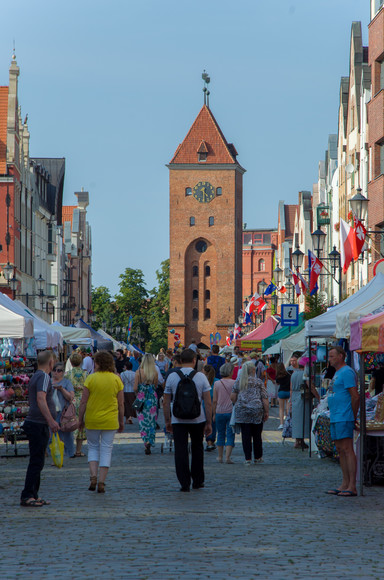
(219, 191)
(201, 246)
(195, 314)
(207, 270)
(191, 221)
(195, 271)
(211, 220)
(207, 314)
(188, 191)
(202, 157)
(207, 294)
(195, 295)
(261, 265)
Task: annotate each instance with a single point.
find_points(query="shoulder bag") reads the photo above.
(68, 421)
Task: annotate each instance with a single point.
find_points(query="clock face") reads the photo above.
(203, 192)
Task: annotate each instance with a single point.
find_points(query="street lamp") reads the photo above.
(335, 261)
(290, 287)
(318, 241)
(8, 271)
(13, 282)
(297, 258)
(359, 205)
(262, 286)
(277, 272)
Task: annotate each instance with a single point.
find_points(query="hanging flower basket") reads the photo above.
(337, 227)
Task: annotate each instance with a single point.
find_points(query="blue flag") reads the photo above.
(271, 288)
(248, 318)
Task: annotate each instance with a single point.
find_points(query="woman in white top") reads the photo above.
(128, 378)
(222, 411)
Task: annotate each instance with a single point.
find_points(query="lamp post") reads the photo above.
(318, 241)
(8, 271)
(290, 292)
(335, 261)
(262, 287)
(297, 258)
(277, 273)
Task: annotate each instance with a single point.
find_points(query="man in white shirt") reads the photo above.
(88, 364)
(195, 428)
(193, 345)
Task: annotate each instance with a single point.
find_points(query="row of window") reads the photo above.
(195, 314)
(195, 270)
(195, 294)
(211, 221)
(188, 191)
(257, 239)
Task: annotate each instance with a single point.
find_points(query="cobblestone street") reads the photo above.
(270, 521)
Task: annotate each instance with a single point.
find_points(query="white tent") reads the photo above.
(116, 343)
(325, 324)
(14, 325)
(345, 319)
(45, 336)
(73, 335)
(9, 304)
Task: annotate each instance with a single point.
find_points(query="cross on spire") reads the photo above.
(207, 80)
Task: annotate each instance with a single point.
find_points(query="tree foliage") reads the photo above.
(102, 306)
(158, 311)
(314, 306)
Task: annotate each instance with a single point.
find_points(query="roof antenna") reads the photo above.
(14, 51)
(206, 92)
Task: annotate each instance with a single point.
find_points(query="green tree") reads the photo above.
(132, 299)
(158, 311)
(102, 306)
(314, 306)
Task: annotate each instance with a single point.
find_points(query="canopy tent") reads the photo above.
(14, 325)
(101, 342)
(325, 324)
(116, 343)
(372, 336)
(28, 326)
(45, 335)
(283, 332)
(72, 335)
(253, 340)
(344, 319)
(357, 329)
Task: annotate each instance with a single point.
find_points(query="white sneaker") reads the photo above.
(256, 461)
(247, 462)
(280, 427)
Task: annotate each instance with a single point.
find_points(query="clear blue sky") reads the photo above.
(114, 87)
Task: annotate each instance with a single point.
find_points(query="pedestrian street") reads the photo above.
(271, 520)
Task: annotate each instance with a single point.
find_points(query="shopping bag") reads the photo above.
(57, 450)
(68, 420)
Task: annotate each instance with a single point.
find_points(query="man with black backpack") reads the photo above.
(187, 389)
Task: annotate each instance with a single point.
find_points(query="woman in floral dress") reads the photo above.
(77, 377)
(145, 388)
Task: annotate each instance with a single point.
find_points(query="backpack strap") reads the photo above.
(182, 375)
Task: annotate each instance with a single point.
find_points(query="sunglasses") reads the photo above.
(58, 370)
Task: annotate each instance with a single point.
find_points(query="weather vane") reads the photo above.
(207, 80)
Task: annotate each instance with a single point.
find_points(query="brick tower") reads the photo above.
(206, 208)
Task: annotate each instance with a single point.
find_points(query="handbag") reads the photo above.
(68, 420)
(138, 405)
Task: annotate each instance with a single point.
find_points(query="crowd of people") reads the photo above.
(213, 397)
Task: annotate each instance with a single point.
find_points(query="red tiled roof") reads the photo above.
(290, 213)
(67, 213)
(3, 128)
(204, 129)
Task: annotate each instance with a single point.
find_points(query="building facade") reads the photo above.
(206, 205)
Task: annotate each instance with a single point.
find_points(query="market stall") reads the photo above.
(101, 342)
(45, 335)
(253, 340)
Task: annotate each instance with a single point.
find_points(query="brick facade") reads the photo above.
(205, 287)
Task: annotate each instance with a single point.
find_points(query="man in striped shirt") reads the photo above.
(39, 420)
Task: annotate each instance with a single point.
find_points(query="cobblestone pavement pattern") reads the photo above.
(271, 520)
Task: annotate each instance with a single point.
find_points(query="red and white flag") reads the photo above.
(316, 267)
(304, 283)
(296, 283)
(282, 289)
(228, 341)
(360, 233)
(255, 303)
(348, 248)
(236, 331)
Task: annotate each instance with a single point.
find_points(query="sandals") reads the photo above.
(32, 503)
(93, 483)
(101, 487)
(78, 455)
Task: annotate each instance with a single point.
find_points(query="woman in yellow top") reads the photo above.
(102, 404)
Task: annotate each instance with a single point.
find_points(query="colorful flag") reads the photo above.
(282, 289)
(228, 340)
(270, 289)
(296, 283)
(304, 283)
(130, 320)
(255, 303)
(360, 233)
(315, 268)
(237, 331)
(348, 249)
(217, 338)
(247, 318)
(230, 337)
(211, 339)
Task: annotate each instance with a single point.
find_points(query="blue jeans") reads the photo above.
(224, 430)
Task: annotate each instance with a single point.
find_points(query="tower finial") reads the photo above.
(14, 51)
(206, 92)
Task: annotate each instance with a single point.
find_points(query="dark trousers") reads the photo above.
(180, 438)
(38, 437)
(251, 433)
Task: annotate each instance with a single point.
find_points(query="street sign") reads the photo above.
(289, 315)
(378, 267)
